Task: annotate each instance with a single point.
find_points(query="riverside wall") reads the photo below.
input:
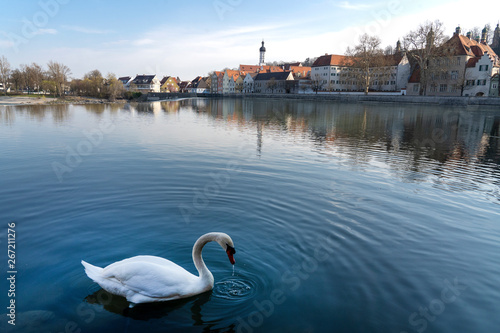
(346, 98)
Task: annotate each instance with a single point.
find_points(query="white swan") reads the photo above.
(144, 279)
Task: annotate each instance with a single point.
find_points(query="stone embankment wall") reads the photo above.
(347, 98)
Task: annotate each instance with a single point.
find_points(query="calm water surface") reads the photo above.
(345, 218)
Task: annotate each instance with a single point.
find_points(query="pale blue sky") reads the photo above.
(190, 38)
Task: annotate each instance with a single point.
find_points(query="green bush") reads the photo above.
(132, 95)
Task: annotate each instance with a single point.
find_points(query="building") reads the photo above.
(199, 86)
(332, 72)
(495, 86)
(298, 70)
(239, 83)
(169, 85)
(229, 81)
(145, 83)
(184, 86)
(125, 80)
(271, 83)
(463, 66)
(248, 83)
(216, 82)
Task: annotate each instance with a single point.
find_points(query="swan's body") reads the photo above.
(144, 279)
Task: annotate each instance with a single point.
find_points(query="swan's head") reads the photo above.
(227, 244)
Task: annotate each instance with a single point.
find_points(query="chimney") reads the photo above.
(469, 34)
(458, 31)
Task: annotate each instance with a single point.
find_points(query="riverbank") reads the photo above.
(348, 98)
(24, 100)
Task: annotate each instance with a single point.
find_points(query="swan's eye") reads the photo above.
(230, 249)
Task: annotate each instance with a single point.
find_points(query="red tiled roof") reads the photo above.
(462, 45)
(260, 69)
(331, 60)
(233, 74)
(472, 62)
(249, 68)
(415, 76)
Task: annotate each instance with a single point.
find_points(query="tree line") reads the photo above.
(34, 78)
(55, 80)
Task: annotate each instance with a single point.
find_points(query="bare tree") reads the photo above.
(316, 83)
(17, 79)
(59, 74)
(272, 85)
(32, 77)
(423, 44)
(308, 62)
(365, 60)
(4, 73)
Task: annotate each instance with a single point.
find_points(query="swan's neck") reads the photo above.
(205, 275)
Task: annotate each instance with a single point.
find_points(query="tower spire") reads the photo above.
(262, 54)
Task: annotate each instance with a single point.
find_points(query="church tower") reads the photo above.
(495, 45)
(262, 55)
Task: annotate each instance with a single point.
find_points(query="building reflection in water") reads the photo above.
(457, 147)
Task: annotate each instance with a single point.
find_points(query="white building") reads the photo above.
(229, 81)
(248, 83)
(146, 83)
(478, 74)
(333, 73)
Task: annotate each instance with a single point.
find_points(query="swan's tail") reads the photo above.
(92, 271)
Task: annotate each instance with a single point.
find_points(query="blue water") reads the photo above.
(345, 218)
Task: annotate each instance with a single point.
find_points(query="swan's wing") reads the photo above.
(151, 276)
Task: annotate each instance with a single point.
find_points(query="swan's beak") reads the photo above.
(230, 251)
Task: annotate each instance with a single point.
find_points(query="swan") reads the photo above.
(145, 279)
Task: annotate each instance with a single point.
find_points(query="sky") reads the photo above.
(190, 38)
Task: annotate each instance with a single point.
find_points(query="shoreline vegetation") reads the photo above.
(13, 100)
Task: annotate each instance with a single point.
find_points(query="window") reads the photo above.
(434, 87)
(416, 88)
(494, 86)
(470, 82)
(454, 88)
(481, 82)
(458, 61)
(454, 75)
(443, 87)
(483, 68)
